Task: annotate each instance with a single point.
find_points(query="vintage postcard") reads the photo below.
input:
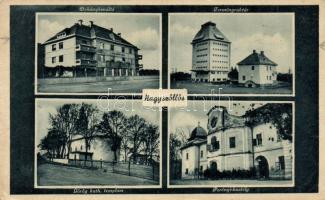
(138, 100)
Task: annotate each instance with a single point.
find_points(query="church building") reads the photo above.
(210, 55)
(229, 143)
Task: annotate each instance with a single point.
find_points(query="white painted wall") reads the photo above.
(262, 74)
(68, 52)
(191, 163)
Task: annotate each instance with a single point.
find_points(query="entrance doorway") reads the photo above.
(262, 167)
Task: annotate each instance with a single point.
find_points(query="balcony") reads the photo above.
(87, 62)
(85, 48)
(112, 64)
(139, 57)
(140, 66)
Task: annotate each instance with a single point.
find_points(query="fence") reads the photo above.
(150, 172)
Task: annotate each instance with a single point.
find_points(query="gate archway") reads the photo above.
(262, 167)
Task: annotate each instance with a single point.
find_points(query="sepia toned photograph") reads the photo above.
(82, 143)
(91, 52)
(233, 143)
(242, 54)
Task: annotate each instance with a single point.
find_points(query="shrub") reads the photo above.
(229, 174)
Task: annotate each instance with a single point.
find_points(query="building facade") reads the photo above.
(231, 144)
(91, 50)
(256, 69)
(99, 149)
(210, 55)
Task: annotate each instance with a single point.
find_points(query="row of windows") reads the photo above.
(215, 144)
(219, 43)
(219, 67)
(201, 61)
(205, 49)
(54, 46)
(103, 58)
(201, 44)
(219, 61)
(112, 47)
(60, 59)
(201, 67)
(217, 49)
(220, 55)
(202, 55)
(201, 155)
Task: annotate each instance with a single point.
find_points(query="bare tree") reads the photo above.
(64, 122)
(113, 126)
(87, 123)
(136, 127)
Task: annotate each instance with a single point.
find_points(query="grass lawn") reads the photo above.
(232, 182)
(58, 175)
(135, 86)
(205, 88)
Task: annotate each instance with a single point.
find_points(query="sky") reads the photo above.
(186, 119)
(141, 30)
(44, 107)
(271, 33)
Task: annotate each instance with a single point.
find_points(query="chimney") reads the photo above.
(262, 53)
(91, 23)
(254, 51)
(198, 124)
(119, 34)
(80, 21)
(111, 29)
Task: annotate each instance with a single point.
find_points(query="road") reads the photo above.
(205, 88)
(101, 87)
(237, 183)
(59, 175)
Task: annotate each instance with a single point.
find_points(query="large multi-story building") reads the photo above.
(210, 55)
(231, 144)
(88, 50)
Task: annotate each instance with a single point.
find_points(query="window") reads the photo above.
(102, 58)
(281, 163)
(123, 59)
(61, 58)
(259, 140)
(244, 78)
(201, 154)
(186, 171)
(61, 45)
(53, 60)
(112, 47)
(186, 156)
(53, 47)
(252, 67)
(215, 144)
(130, 50)
(123, 49)
(102, 46)
(201, 168)
(80, 147)
(83, 41)
(232, 142)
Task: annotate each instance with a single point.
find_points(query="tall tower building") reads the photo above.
(210, 55)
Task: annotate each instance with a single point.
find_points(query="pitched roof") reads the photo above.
(93, 31)
(209, 31)
(257, 59)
